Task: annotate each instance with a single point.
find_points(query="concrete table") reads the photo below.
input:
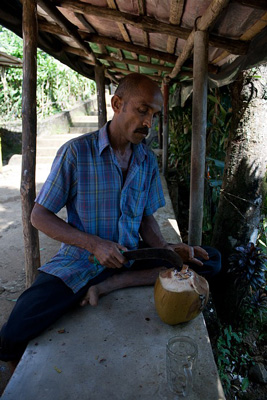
(114, 351)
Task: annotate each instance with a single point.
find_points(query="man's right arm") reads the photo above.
(106, 252)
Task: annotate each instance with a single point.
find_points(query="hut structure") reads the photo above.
(197, 42)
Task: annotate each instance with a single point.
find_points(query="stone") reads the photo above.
(257, 373)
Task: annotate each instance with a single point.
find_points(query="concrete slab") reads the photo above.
(114, 351)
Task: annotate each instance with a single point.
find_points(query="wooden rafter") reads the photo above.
(150, 24)
(142, 11)
(70, 29)
(248, 35)
(159, 67)
(203, 23)
(176, 11)
(94, 38)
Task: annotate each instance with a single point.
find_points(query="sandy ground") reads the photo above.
(12, 268)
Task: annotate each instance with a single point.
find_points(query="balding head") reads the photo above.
(133, 83)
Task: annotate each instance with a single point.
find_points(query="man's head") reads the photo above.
(136, 101)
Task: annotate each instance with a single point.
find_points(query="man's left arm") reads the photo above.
(152, 236)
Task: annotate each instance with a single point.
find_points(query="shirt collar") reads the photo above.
(139, 150)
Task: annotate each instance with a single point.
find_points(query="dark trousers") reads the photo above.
(49, 298)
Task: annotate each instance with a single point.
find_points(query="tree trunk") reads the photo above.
(243, 188)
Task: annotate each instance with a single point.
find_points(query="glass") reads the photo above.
(181, 356)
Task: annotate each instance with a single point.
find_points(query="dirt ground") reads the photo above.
(12, 269)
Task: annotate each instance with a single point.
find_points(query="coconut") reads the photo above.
(180, 296)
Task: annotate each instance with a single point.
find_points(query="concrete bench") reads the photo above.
(114, 351)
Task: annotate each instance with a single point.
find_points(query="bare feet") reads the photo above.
(145, 277)
(91, 297)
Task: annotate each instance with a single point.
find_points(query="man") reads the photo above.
(110, 184)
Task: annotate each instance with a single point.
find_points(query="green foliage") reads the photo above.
(262, 236)
(247, 269)
(219, 114)
(233, 360)
(58, 87)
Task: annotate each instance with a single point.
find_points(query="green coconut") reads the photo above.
(180, 296)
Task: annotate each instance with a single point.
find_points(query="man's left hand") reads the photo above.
(190, 253)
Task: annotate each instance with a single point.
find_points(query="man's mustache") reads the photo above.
(143, 130)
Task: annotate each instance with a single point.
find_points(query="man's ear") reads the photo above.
(116, 103)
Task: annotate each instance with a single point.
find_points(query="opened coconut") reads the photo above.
(180, 295)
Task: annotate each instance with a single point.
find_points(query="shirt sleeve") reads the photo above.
(155, 198)
(61, 184)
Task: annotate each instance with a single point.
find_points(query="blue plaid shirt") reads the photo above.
(87, 179)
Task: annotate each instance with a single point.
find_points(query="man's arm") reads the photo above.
(151, 234)
(106, 252)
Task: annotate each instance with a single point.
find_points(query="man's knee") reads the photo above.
(214, 259)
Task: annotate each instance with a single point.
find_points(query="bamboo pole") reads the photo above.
(101, 99)
(27, 188)
(165, 127)
(198, 147)
(208, 19)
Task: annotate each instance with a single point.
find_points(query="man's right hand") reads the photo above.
(108, 253)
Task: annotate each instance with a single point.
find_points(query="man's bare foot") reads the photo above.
(91, 297)
(119, 281)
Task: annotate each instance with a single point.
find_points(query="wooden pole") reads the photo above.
(101, 99)
(160, 131)
(199, 125)
(165, 127)
(27, 188)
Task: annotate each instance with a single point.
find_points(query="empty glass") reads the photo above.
(181, 356)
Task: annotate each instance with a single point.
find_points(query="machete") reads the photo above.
(150, 253)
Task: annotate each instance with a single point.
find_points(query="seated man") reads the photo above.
(109, 182)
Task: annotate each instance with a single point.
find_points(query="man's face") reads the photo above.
(136, 114)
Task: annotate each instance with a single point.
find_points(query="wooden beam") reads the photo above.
(150, 24)
(29, 130)
(127, 72)
(101, 99)
(198, 143)
(256, 4)
(94, 38)
(176, 12)
(203, 23)
(142, 11)
(66, 25)
(165, 137)
(248, 35)
(157, 67)
(123, 29)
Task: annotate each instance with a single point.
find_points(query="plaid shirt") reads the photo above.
(87, 179)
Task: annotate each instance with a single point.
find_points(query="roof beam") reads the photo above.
(203, 23)
(160, 67)
(176, 11)
(67, 26)
(258, 4)
(94, 38)
(150, 24)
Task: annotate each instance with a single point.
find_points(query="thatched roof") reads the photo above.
(154, 37)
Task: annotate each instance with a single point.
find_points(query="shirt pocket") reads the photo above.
(135, 202)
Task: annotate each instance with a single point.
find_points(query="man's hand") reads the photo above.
(189, 253)
(109, 254)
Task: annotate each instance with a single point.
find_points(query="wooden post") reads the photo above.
(27, 188)
(199, 125)
(160, 131)
(101, 99)
(165, 128)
